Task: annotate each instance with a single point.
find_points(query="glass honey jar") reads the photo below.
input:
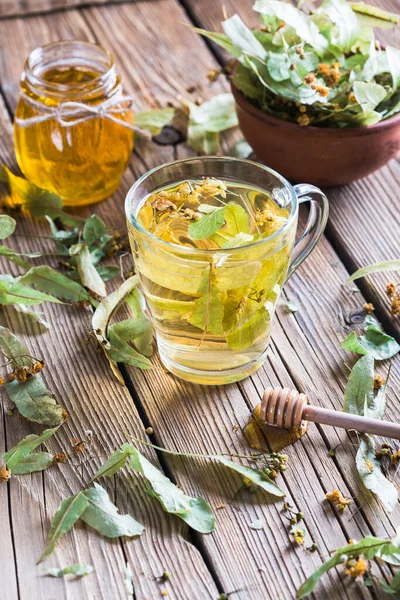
(73, 131)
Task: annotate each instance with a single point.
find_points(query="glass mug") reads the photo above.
(247, 280)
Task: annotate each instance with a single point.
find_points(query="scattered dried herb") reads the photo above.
(208, 120)
(25, 386)
(21, 459)
(370, 547)
(359, 399)
(95, 508)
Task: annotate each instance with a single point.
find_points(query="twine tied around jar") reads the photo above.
(68, 114)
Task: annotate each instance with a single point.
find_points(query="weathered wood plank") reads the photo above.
(364, 224)
(92, 399)
(14, 8)
(173, 410)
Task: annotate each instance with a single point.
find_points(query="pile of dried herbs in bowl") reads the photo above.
(324, 68)
(317, 97)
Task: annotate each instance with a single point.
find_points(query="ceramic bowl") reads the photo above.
(318, 155)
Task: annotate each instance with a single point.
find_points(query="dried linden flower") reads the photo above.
(4, 475)
(336, 498)
(378, 381)
(369, 308)
(356, 568)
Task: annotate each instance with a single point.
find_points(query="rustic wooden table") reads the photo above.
(159, 59)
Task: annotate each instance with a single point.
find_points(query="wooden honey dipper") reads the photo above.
(287, 409)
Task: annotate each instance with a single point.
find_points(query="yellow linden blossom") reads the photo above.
(356, 568)
(336, 498)
(4, 475)
(298, 535)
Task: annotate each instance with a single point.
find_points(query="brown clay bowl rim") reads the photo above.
(345, 132)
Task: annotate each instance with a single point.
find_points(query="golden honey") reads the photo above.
(77, 152)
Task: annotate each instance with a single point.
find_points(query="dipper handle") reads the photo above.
(287, 408)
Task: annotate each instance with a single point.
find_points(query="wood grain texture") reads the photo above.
(20, 8)
(93, 399)
(305, 353)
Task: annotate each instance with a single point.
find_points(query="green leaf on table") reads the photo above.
(369, 469)
(375, 409)
(115, 462)
(368, 95)
(23, 449)
(207, 225)
(359, 388)
(377, 343)
(13, 291)
(144, 340)
(103, 313)
(374, 342)
(12, 348)
(388, 265)
(38, 461)
(93, 229)
(34, 402)
(196, 512)
(110, 304)
(106, 272)
(76, 569)
(37, 201)
(369, 547)
(208, 120)
(101, 514)
(90, 278)
(257, 477)
(153, 120)
(7, 226)
(65, 518)
(352, 344)
(46, 279)
(394, 588)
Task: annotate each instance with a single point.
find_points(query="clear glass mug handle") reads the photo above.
(319, 210)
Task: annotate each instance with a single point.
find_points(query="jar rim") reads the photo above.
(68, 50)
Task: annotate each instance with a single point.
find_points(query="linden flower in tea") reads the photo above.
(212, 290)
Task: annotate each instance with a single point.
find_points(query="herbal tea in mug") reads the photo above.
(212, 239)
